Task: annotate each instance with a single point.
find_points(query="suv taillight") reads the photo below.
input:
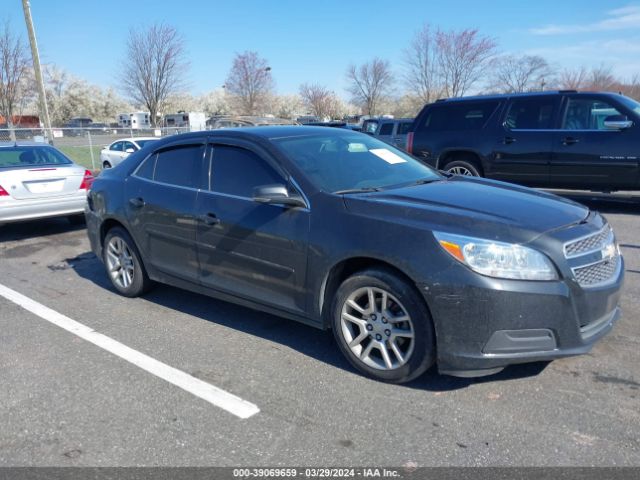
(3, 192)
(410, 142)
(87, 180)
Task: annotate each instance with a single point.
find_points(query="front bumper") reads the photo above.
(488, 323)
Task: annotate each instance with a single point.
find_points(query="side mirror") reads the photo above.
(617, 122)
(129, 150)
(277, 195)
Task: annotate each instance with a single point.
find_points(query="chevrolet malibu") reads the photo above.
(408, 267)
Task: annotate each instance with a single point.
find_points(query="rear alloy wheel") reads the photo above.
(462, 167)
(123, 264)
(383, 327)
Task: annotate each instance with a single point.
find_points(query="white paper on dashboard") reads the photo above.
(387, 155)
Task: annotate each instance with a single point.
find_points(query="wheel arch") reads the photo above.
(461, 154)
(345, 268)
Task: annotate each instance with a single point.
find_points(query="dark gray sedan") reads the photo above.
(333, 228)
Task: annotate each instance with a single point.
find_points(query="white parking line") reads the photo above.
(218, 397)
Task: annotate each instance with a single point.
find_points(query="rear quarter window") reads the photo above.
(458, 116)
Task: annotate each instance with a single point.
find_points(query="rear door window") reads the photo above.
(386, 129)
(458, 116)
(535, 113)
(404, 128)
(179, 165)
(117, 147)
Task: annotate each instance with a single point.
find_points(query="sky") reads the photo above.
(315, 41)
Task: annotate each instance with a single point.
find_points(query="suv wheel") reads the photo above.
(462, 167)
(124, 265)
(383, 327)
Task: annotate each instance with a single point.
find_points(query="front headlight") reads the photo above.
(498, 259)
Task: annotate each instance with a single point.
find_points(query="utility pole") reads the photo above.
(44, 109)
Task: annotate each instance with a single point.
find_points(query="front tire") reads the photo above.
(462, 167)
(124, 264)
(383, 327)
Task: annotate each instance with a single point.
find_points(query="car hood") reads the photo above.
(472, 206)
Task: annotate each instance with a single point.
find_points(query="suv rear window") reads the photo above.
(530, 114)
(458, 116)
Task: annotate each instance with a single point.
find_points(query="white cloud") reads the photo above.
(623, 55)
(617, 19)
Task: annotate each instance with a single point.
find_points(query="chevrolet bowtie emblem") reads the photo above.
(609, 252)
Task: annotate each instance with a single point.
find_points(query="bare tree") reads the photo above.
(319, 100)
(155, 67)
(14, 68)
(601, 78)
(526, 73)
(463, 58)
(369, 83)
(422, 76)
(573, 79)
(249, 82)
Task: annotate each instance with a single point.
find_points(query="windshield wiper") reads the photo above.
(357, 190)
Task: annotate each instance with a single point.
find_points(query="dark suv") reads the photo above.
(407, 266)
(562, 139)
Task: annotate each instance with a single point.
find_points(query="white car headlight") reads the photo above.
(498, 259)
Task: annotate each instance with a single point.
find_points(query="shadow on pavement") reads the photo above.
(307, 340)
(37, 228)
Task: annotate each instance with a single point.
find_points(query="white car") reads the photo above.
(39, 181)
(113, 154)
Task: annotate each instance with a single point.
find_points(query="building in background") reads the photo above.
(134, 121)
(193, 121)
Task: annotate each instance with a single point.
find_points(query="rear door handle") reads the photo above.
(508, 140)
(136, 202)
(569, 140)
(210, 219)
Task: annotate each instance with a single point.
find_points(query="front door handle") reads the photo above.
(569, 141)
(136, 202)
(210, 219)
(508, 140)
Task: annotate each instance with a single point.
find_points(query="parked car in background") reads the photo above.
(336, 229)
(77, 126)
(39, 181)
(562, 139)
(113, 154)
(99, 129)
(248, 121)
(390, 130)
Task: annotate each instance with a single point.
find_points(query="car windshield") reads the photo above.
(11, 157)
(353, 161)
(142, 143)
(631, 104)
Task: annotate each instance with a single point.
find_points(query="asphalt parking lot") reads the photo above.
(65, 401)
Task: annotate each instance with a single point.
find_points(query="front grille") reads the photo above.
(588, 244)
(590, 271)
(596, 274)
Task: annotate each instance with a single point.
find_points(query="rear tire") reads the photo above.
(383, 326)
(124, 265)
(463, 167)
(106, 165)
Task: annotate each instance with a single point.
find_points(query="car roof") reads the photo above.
(264, 133)
(523, 94)
(133, 139)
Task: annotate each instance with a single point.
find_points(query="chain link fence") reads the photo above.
(83, 145)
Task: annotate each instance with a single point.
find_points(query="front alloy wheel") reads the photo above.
(382, 325)
(377, 327)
